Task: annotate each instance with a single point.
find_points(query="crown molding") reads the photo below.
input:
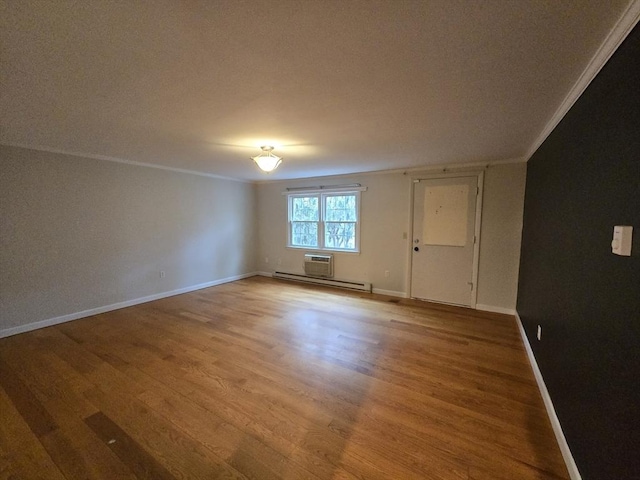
(440, 167)
(616, 36)
(40, 148)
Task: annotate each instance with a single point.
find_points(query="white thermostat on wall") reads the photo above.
(621, 244)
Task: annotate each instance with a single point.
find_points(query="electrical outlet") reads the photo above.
(386, 273)
(279, 261)
(539, 333)
(161, 273)
(266, 259)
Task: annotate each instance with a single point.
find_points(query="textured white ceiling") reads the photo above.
(339, 86)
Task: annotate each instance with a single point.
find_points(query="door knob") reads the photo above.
(416, 249)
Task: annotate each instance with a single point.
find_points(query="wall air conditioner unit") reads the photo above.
(318, 265)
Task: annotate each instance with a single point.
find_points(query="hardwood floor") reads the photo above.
(267, 379)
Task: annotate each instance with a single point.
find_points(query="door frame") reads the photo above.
(479, 174)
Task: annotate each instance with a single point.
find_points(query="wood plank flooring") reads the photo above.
(267, 379)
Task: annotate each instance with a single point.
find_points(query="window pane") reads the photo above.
(340, 235)
(305, 209)
(304, 234)
(340, 208)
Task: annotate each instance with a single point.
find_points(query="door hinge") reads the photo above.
(470, 285)
(475, 239)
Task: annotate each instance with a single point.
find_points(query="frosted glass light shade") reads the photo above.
(267, 161)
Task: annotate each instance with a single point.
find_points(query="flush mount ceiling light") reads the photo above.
(266, 160)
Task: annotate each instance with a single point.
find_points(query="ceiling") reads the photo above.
(338, 86)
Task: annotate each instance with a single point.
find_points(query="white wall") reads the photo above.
(78, 234)
(384, 210)
(501, 234)
(385, 214)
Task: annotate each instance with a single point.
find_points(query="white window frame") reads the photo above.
(322, 195)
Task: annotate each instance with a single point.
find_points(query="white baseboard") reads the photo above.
(491, 308)
(7, 332)
(391, 293)
(264, 274)
(551, 411)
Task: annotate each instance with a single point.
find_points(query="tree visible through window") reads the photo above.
(324, 221)
(305, 215)
(340, 222)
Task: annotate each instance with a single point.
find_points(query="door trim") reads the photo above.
(479, 174)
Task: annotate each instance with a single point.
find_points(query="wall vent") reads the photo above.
(318, 265)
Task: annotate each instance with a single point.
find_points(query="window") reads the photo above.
(324, 221)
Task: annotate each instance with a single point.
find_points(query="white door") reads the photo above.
(443, 248)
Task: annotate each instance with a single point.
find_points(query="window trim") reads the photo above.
(322, 194)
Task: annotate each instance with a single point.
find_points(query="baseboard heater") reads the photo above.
(365, 287)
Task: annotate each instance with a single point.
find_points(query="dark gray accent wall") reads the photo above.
(582, 181)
